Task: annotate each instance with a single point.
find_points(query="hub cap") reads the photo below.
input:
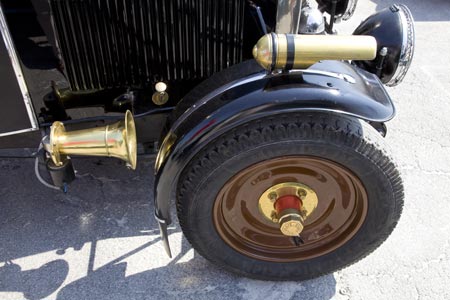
(288, 204)
(332, 206)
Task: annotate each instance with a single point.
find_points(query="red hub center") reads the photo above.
(287, 202)
(288, 210)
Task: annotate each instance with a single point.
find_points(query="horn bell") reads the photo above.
(114, 140)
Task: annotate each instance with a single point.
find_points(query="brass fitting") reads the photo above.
(289, 214)
(291, 222)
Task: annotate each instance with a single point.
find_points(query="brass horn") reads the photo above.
(114, 140)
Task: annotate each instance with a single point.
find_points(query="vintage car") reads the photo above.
(268, 125)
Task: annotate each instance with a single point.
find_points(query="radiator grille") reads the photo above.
(132, 43)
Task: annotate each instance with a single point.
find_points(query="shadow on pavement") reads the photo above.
(423, 11)
(34, 284)
(106, 202)
(195, 279)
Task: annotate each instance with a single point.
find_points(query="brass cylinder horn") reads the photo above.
(114, 140)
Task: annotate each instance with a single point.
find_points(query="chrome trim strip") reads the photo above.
(351, 7)
(408, 46)
(345, 77)
(18, 131)
(19, 75)
(288, 16)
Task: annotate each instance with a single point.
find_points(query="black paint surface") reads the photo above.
(13, 113)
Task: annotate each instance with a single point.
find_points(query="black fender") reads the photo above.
(330, 86)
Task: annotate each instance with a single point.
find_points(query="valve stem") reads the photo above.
(298, 240)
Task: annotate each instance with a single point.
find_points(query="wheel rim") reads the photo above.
(340, 213)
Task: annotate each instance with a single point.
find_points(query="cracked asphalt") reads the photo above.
(100, 240)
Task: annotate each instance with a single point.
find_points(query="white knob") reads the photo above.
(161, 87)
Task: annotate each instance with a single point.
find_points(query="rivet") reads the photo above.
(273, 196)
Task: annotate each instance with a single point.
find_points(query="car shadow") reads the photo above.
(194, 279)
(105, 203)
(423, 11)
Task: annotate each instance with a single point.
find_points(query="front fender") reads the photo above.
(329, 86)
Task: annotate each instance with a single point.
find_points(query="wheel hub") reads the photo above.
(288, 204)
(288, 211)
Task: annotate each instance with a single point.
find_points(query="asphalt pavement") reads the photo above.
(100, 240)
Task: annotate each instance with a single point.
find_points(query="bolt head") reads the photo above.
(291, 225)
(273, 196)
(274, 217)
(301, 193)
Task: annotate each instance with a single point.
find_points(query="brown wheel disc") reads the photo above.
(341, 210)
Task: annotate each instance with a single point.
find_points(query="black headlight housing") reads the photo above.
(393, 28)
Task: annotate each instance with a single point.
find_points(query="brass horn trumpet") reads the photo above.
(114, 140)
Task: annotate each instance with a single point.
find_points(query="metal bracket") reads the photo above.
(164, 235)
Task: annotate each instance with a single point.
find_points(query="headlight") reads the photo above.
(393, 29)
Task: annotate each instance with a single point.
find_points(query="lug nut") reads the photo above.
(291, 224)
(301, 193)
(274, 217)
(273, 196)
